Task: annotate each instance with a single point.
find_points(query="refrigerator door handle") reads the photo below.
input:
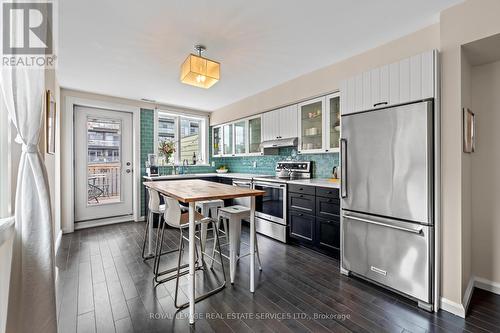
(415, 230)
(343, 172)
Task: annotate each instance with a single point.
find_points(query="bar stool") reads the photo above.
(175, 218)
(209, 208)
(154, 207)
(235, 215)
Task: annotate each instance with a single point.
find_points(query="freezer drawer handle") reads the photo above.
(378, 270)
(343, 174)
(417, 230)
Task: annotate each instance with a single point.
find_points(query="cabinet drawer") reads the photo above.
(396, 255)
(327, 192)
(311, 190)
(328, 208)
(328, 233)
(302, 202)
(302, 226)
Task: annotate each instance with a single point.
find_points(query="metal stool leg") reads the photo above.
(145, 239)
(213, 291)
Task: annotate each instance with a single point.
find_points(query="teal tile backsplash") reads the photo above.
(322, 163)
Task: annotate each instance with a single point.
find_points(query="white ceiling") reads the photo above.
(134, 49)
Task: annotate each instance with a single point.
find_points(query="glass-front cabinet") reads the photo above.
(217, 141)
(240, 137)
(311, 125)
(227, 139)
(254, 135)
(333, 122)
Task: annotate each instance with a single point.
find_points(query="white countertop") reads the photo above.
(320, 182)
(204, 175)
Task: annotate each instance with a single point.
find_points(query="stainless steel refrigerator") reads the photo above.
(387, 191)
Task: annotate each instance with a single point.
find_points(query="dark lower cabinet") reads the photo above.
(314, 218)
(302, 226)
(328, 235)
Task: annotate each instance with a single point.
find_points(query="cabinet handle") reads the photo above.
(381, 103)
(301, 214)
(301, 196)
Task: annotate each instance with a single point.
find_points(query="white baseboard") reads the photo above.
(475, 282)
(452, 307)
(488, 285)
(102, 222)
(58, 242)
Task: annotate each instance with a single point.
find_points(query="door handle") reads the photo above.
(343, 171)
(417, 230)
(381, 103)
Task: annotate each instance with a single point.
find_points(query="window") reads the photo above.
(187, 134)
(5, 203)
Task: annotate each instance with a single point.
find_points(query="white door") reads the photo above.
(103, 163)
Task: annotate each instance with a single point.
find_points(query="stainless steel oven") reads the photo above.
(270, 209)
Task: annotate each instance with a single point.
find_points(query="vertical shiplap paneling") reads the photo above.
(416, 77)
(394, 83)
(344, 105)
(359, 93)
(384, 84)
(367, 91)
(404, 80)
(351, 90)
(375, 86)
(427, 75)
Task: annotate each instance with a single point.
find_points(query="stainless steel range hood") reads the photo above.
(270, 147)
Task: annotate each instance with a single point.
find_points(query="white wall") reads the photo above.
(486, 172)
(327, 79)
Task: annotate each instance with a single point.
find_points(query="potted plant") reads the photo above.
(166, 149)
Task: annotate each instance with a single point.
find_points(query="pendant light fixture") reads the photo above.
(199, 71)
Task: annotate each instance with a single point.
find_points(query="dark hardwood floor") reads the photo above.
(104, 286)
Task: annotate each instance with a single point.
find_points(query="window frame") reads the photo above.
(178, 117)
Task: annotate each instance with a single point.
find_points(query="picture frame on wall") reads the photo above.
(50, 123)
(469, 131)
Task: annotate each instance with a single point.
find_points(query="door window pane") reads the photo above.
(228, 139)
(334, 122)
(240, 137)
(254, 135)
(103, 161)
(190, 144)
(312, 126)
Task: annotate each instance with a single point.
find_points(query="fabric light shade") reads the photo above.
(200, 72)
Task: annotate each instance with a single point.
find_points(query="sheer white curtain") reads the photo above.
(32, 306)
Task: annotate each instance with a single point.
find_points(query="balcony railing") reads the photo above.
(104, 185)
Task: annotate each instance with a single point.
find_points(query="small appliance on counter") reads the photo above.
(270, 209)
(152, 166)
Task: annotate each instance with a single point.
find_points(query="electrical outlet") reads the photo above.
(254, 164)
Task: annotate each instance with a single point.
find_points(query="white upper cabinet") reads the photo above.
(288, 122)
(410, 79)
(280, 123)
(270, 126)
